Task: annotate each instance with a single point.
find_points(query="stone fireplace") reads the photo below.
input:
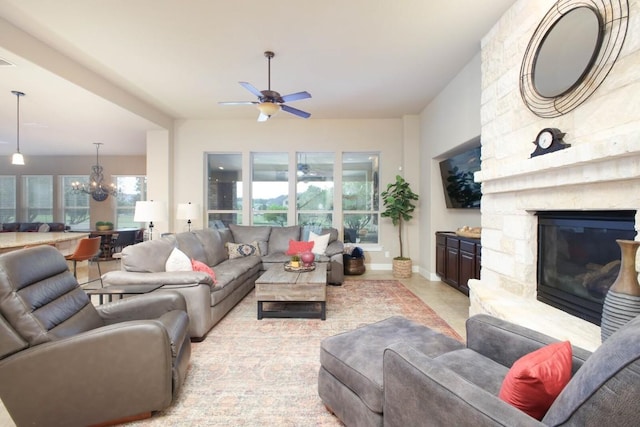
(600, 171)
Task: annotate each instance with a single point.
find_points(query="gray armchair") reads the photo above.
(65, 362)
(461, 387)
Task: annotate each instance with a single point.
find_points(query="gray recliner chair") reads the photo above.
(65, 362)
(398, 373)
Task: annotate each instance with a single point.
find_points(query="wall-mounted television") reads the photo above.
(460, 190)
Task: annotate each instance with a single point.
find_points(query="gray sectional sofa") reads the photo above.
(208, 302)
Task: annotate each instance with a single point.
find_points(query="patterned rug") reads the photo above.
(251, 372)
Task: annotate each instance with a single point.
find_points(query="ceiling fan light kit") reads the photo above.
(269, 101)
(268, 108)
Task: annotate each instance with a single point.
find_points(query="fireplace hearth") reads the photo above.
(579, 259)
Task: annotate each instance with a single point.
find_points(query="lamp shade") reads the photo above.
(17, 159)
(268, 108)
(150, 210)
(188, 211)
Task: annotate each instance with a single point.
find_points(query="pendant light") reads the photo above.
(17, 158)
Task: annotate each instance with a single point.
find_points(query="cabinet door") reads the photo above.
(440, 261)
(451, 266)
(467, 270)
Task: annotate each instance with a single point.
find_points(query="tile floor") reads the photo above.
(449, 303)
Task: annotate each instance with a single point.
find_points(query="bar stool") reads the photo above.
(88, 249)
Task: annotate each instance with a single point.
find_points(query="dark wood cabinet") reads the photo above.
(457, 259)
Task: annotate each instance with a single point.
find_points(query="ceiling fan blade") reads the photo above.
(263, 117)
(251, 88)
(238, 103)
(295, 111)
(296, 96)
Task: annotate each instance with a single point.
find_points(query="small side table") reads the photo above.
(121, 290)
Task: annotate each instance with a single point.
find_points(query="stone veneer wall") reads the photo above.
(600, 171)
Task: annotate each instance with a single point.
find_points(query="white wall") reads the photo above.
(390, 137)
(451, 120)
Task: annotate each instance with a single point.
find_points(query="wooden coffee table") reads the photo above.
(292, 292)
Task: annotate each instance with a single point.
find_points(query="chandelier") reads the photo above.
(97, 188)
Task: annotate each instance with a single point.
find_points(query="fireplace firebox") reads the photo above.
(579, 259)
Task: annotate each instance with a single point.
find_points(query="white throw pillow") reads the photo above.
(178, 261)
(320, 243)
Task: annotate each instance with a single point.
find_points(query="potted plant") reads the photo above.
(295, 261)
(398, 202)
(104, 225)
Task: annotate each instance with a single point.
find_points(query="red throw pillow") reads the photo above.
(536, 379)
(296, 247)
(201, 266)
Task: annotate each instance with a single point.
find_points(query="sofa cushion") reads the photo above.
(280, 236)
(475, 368)
(333, 234)
(192, 246)
(56, 226)
(249, 233)
(11, 226)
(536, 379)
(149, 256)
(296, 247)
(213, 245)
(29, 226)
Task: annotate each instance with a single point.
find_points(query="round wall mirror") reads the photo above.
(567, 52)
(571, 53)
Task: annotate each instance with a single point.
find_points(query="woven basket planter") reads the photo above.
(402, 268)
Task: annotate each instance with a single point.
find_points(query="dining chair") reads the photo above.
(88, 249)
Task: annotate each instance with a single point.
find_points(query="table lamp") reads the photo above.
(149, 211)
(188, 211)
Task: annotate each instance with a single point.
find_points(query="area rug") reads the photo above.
(251, 372)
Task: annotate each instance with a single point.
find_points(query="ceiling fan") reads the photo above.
(269, 101)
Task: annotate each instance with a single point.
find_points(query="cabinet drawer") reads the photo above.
(468, 246)
(453, 242)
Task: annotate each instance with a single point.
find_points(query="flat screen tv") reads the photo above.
(460, 191)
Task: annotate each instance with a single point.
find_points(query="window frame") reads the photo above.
(65, 188)
(4, 197)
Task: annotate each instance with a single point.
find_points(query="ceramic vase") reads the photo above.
(622, 302)
(307, 258)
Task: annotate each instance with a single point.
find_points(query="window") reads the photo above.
(7, 199)
(360, 197)
(311, 175)
(38, 198)
(314, 189)
(224, 189)
(131, 190)
(270, 189)
(75, 206)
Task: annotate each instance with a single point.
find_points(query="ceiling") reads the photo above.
(367, 59)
